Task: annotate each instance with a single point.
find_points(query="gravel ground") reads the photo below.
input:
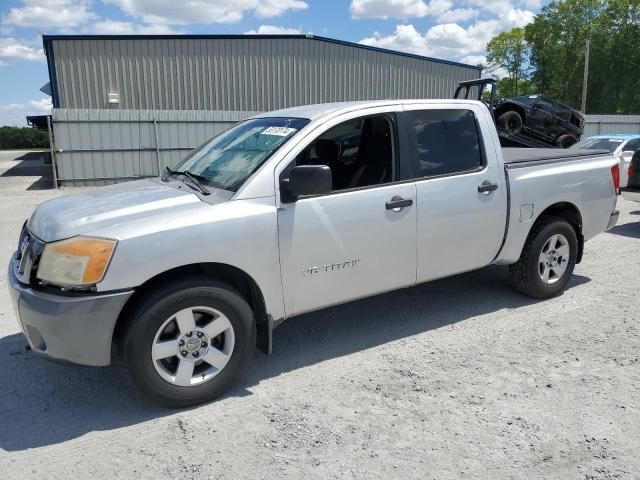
(459, 378)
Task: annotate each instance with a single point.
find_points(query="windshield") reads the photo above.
(610, 144)
(228, 160)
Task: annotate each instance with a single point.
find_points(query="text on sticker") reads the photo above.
(279, 131)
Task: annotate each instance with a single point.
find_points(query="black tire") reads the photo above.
(525, 274)
(565, 141)
(511, 122)
(154, 309)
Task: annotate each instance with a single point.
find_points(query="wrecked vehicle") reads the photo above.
(541, 118)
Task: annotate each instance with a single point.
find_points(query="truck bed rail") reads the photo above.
(514, 157)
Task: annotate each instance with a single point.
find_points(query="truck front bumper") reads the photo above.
(75, 329)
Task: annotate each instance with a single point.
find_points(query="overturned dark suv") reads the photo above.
(540, 117)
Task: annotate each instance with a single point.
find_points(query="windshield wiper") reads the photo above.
(196, 180)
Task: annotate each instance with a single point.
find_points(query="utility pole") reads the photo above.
(585, 78)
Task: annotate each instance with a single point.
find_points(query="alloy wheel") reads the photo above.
(193, 346)
(554, 259)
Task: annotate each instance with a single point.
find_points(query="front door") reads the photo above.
(462, 201)
(355, 241)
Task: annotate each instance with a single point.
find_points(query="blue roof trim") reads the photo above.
(47, 39)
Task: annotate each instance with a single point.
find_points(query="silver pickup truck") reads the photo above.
(293, 211)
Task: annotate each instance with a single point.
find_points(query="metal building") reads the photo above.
(151, 79)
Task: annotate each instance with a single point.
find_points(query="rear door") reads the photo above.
(352, 242)
(462, 198)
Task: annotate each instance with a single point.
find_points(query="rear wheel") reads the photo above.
(188, 342)
(547, 260)
(511, 122)
(565, 141)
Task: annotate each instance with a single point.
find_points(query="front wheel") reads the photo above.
(188, 342)
(547, 260)
(511, 122)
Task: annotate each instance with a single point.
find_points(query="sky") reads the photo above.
(455, 30)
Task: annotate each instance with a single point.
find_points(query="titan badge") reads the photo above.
(332, 267)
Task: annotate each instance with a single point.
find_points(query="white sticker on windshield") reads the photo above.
(278, 131)
(615, 140)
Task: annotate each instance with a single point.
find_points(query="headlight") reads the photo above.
(76, 262)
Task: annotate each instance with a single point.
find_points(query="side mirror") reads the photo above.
(306, 180)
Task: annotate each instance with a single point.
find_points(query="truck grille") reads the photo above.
(28, 256)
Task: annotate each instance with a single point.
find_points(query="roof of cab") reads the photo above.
(316, 111)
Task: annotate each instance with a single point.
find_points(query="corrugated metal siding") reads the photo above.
(240, 74)
(197, 87)
(100, 147)
(605, 124)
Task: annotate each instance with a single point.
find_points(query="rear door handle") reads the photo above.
(487, 187)
(398, 203)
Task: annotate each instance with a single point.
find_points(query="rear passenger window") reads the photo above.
(545, 105)
(447, 142)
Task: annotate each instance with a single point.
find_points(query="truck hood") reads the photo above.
(104, 207)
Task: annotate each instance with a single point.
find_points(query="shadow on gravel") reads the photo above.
(44, 183)
(627, 230)
(32, 156)
(32, 164)
(44, 403)
(338, 331)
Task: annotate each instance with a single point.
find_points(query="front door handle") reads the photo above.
(487, 187)
(397, 203)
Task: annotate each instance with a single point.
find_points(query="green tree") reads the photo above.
(556, 42)
(23, 137)
(617, 53)
(506, 88)
(509, 52)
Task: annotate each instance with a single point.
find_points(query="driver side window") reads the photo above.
(545, 105)
(359, 152)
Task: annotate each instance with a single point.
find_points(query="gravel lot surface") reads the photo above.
(460, 378)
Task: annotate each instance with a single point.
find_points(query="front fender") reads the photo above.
(241, 233)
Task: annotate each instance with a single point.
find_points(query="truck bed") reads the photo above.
(520, 156)
(539, 178)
